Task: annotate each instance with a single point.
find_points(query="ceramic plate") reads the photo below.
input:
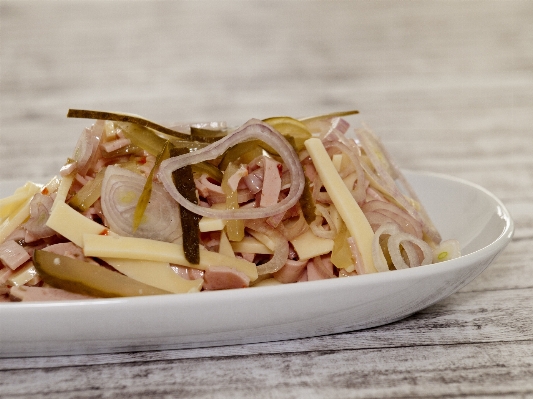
(459, 209)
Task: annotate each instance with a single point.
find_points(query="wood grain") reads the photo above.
(447, 85)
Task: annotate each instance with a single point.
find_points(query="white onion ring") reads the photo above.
(253, 129)
(404, 239)
(121, 189)
(377, 253)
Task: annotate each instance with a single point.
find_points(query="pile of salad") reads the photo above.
(145, 209)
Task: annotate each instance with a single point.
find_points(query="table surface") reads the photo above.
(448, 86)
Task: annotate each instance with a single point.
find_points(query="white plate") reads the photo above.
(459, 209)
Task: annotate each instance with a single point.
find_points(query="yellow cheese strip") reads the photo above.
(264, 239)
(141, 248)
(156, 274)
(351, 213)
(250, 245)
(11, 204)
(72, 224)
(211, 224)
(10, 224)
(15, 209)
(225, 247)
(22, 275)
(307, 245)
(62, 191)
(267, 282)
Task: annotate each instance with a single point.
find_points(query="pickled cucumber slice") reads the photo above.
(290, 128)
(87, 278)
(121, 117)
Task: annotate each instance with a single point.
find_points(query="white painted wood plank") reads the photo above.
(437, 371)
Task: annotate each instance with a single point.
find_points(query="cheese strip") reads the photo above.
(264, 239)
(10, 224)
(250, 245)
(348, 209)
(210, 224)
(12, 203)
(62, 191)
(307, 245)
(224, 247)
(72, 224)
(156, 274)
(102, 246)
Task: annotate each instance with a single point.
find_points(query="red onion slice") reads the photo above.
(253, 129)
(281, 250)
(121, 189)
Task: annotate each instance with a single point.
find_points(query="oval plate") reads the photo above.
(459, 209)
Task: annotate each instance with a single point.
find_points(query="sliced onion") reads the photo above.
(281, 247)
(254, 181)
(121, 189)
(316, 225)
(87, 146)
(383, 180)
(40, 208)
(377, 252)
(404, 239)
(399, 216)
(253, 129)
(293, 228)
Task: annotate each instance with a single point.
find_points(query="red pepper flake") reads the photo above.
(45, 191)
(280, 168)
(104, 232)
(142, 160)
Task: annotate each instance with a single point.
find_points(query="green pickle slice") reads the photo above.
(88, 278)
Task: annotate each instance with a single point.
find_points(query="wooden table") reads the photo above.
(448, 85)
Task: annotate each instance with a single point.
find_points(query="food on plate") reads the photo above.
(144, 209)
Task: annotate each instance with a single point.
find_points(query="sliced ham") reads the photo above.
(39, 294)
(271, 183)
(291, 271)
(5, 274)
(68, 249)
(223, 277)
(12, 254)
(319, 269)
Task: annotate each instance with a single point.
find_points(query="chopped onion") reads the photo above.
(253, 129)
(121, 189)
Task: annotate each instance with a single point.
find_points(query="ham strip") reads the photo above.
(271, 183)
(13, 255)
(38, 294)
(222, 278)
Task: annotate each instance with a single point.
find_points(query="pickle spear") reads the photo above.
(87, 278)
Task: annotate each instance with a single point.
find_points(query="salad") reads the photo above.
(144, 209)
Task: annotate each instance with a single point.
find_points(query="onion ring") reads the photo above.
(253, 129)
